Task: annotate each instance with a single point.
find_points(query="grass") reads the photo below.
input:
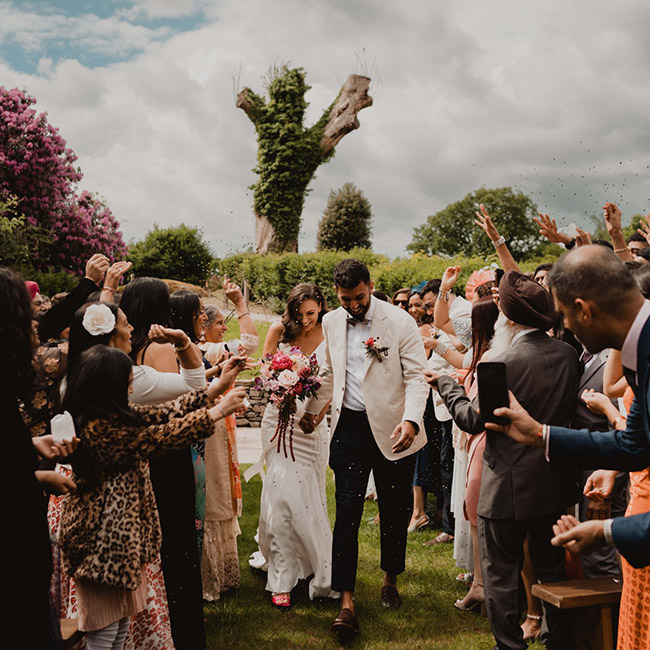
(427, 619)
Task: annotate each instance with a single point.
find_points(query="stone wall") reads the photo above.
(258, 400)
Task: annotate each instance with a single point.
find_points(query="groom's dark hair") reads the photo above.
(350, 272)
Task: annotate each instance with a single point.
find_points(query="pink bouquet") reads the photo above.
(287, 376)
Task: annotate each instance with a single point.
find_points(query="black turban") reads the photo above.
(525, 301)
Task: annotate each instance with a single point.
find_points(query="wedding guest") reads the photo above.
(603, 306)
(636, 242)
(401, 298)
(146, 302)
(114, 497)
(375, 424)
(540, 273)
(294, 535)
(25, 563)
(520, 496)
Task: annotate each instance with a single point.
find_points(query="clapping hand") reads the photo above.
(232, 291)
(521, 427)
(96, 268)
(548, 228)
(160, 334)
(578, 537)
(483, 220)
(583, 238)
(449, 278)
(50, 449)
(612, 216)
(115, 273)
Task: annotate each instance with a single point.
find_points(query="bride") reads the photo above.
(294, 536)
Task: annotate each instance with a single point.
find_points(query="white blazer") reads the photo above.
(393, 389)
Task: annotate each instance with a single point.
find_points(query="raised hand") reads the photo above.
(114, 274)
(232, 291)
(521, 428)
(483, 220)
(160, 334)
(548, 229)
(449, 278)
(578, 537)
(96, 268)
(612, 216)
(645, 228)
(583, 238)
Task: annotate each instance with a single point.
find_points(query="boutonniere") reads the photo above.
(373, 349)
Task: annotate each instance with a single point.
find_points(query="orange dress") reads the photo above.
(634, 617)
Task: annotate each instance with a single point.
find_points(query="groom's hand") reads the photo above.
(405, 433)
(307, 422)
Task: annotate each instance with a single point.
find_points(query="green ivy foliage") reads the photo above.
(346, 221)
(288, 153)
(175, 253)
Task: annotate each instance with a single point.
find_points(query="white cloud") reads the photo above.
(505, 93)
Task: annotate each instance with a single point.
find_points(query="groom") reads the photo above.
(373, 373)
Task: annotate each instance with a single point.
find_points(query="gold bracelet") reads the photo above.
(183, 347)
(246, 313)
(620, 250)
(222, 411)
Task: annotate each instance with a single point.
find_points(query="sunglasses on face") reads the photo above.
(402, 302)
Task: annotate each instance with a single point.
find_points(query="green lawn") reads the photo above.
(427, 619)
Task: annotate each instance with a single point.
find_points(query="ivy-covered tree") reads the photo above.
(175, 253)
(289, 153)
(452, 231)
(346, 221)
(39, 170)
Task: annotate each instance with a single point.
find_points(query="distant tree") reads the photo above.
(288, 153)
(39, 171)
(346, 221)
(452, 231)
(175, 253)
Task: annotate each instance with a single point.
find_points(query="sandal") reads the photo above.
(281, 600)
(443, 538)
(420, 523)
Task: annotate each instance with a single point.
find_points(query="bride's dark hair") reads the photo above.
(291, 316)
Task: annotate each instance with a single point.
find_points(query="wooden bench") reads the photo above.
(70, 633)
(595, 597)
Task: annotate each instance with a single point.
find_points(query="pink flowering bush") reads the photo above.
(38, 169)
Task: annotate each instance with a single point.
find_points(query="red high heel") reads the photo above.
(281, 600)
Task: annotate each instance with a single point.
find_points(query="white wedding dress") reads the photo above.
(294, 535)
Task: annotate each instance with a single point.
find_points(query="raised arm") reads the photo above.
(614, 382)
(505, 257)
(612, 216)
(441, 310)
(272, 339)
(246, 324)
(114, 275)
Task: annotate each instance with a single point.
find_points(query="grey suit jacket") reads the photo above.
(517, 481)
(592, 377)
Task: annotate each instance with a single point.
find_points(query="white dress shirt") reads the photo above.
(355, 351)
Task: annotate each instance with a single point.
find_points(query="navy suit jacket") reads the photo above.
(627, 450)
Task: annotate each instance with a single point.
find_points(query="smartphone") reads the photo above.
(492, 390)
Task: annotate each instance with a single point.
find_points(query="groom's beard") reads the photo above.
(502, 339)
(359, 315)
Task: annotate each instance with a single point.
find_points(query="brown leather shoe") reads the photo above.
(390, 597)
(345, 624)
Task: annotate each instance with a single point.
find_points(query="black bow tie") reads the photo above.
(354, 321)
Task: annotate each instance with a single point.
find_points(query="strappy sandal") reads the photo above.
(281, 600)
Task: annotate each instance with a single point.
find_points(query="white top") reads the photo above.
(355, 361)
(246, 344)
(151, 386)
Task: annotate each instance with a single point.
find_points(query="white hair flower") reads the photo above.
(98, 319)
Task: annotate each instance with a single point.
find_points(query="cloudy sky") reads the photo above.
(550, 98)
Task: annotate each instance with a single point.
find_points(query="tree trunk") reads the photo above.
(343, 116)
(266, 241)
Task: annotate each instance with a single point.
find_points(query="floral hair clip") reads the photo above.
(98, 319)
(372, 349)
